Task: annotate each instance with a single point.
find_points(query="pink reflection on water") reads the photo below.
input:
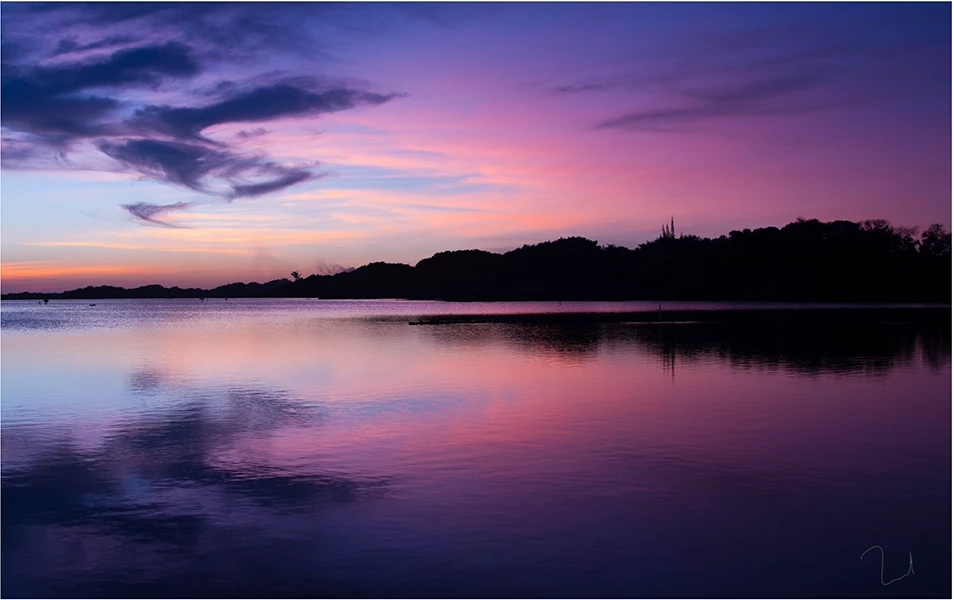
(582, 447)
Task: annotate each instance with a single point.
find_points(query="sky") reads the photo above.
(201, 144)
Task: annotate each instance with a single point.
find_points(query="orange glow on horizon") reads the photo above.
(50, 269)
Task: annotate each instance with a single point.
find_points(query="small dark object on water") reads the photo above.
(92, 304)
(46, 301)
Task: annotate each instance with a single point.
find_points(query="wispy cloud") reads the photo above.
(288, 178)
(91, 90)
(56, 100)
(251, 133)
(758, 97)
(194, 165)
(255, 105)
(153, 213)
(576, 88)
(69, 45)
(783, 68)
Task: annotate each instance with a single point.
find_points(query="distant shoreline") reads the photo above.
(804, 261)
(652, 305)
(829, 316)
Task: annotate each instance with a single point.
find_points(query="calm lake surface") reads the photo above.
(273, 448)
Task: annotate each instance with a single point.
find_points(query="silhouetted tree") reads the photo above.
(669, 231)
(935, 241)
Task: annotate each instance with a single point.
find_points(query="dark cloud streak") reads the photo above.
(291, 177)
(259, 104)
(70, 46)
(25, 108)
(55, 100)
(576, 88)
(191, 165)
(143, 65)
(182, 164)
(758, 97)
(151, 213)
(250, 133)
(74, 75)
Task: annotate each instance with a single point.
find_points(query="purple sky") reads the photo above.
(198, 144)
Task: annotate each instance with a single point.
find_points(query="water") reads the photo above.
(311, 448)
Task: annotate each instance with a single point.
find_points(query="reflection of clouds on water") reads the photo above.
(174, 480)
(144, 380)
(353, 456)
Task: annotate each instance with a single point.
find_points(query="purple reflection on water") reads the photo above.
(280, 452)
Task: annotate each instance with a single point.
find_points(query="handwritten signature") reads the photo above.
(910, 565)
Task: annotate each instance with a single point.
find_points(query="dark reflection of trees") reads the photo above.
(159, 483)
(798, 345)
(799, 349)
(568, 342)
(936, 348)
(571, 342)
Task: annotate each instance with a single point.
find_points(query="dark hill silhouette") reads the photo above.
(375, 280)
(807, 260)
(457, 275)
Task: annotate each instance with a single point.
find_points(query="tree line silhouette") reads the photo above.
(806, 260)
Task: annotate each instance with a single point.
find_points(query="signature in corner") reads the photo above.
(910, 565)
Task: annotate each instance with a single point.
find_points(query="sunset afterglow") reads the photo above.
(197, 145)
